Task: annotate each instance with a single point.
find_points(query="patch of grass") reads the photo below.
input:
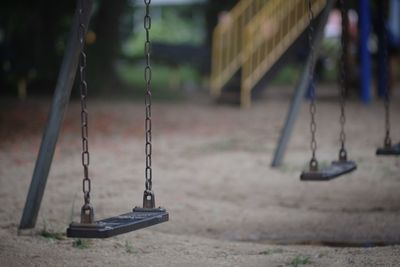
(167, 82)
(81, 243)
(288, 75)
(320, 255)
(360, 159)
(52, 235)
(287, 168)
(129, 248)
(177, 25)
(271, 251)
(300, 260)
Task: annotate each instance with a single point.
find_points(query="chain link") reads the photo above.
(147, 78)
(86, 184)
(343, 80)
(313, 107)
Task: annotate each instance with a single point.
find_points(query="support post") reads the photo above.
(61, 96)
(383, 61)
(365, 57)
(300, 90)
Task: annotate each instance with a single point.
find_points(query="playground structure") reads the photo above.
(252, 42)
(252, 38)
(148, 215)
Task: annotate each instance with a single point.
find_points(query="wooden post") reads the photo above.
(300, 90)
(61, 96)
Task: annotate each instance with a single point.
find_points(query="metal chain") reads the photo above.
(87, 211)
(313, 107)
(343, 83)
(147, 78)
(148, 196)
(386, 102)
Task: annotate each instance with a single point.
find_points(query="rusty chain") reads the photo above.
(343, 83)
(148, 198)
(313, 107)
(87, 210)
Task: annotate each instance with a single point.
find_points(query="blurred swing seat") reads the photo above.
(336, 169)
(392, 150)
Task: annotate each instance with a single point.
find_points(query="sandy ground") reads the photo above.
(212, 172)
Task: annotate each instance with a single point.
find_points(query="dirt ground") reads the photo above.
(212, 171)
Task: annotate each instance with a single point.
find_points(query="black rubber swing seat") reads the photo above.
(336, 169)
(393, 150)
(137, 219)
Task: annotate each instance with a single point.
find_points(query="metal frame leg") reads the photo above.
(62, 93)
(300, 92)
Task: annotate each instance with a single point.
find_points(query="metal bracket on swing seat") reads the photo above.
(137, 219)
(389, 150)
(336, 169)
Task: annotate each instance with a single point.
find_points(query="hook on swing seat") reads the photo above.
(137, 219)
(336, 169)
(391, 150)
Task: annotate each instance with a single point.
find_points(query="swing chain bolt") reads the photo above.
(149, 199)
(342, 154)
(87, 214)
(313, 165)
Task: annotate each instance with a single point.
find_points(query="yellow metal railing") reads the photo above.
(253, 36)
(268, 36)
(227, 44)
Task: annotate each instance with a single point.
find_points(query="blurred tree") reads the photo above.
(103, 54)
(32, 39)
(32, 42)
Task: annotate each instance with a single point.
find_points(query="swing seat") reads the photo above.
(336, 169)
(137, 219)
(393, 150)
